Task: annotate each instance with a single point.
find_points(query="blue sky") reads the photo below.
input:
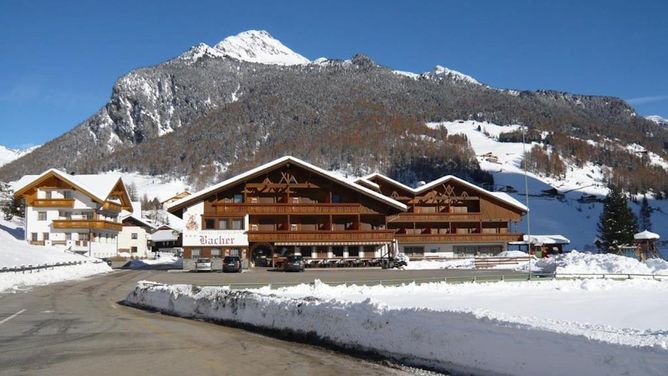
(59, 59)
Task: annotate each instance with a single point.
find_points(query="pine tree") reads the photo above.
(645, 216)
(618, 223)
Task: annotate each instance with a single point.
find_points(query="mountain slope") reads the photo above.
(216, 110)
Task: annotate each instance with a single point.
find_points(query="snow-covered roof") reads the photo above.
(646, 235)
(98, 186)
(136, 214)
(164, 236)
(502, 196)
(547, 239)
(267, 166)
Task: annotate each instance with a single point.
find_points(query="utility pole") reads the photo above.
(526, 196)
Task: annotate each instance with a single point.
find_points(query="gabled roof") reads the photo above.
(136, 214)
(498, 195)
(547, 239)
(98, 186)
(277, 162)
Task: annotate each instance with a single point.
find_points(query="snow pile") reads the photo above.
(162, 263)
(512, 254)
(463, 263)
(15, 252)
(421, 325)
(585, 263)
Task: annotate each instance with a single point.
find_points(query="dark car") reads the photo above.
(232, 264)
(294, 263)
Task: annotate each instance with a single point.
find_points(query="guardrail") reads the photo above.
(483, 278)
(30, 268)
(616, 276)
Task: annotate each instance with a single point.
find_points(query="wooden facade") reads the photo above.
(294, 206)
(290, 205)
(448, 210)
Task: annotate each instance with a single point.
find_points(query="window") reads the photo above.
(234, 252)
(238, 198)
(237, 224)
(41, 216)
(45, 236)
(336, 199)
(215, 253)
(83, 236)
(222, 224)
(414, 250)
(67, 194)
(209, 224)
(133, 236)
(195, 253)
(33, 236)
(48, 194)
(133, 249)
(68, 236)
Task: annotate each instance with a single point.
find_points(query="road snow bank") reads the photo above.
(585, 263)
(478, 342)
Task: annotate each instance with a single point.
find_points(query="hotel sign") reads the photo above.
(215, 238)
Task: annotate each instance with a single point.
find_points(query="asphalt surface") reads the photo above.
(262, 277)
(78, 328)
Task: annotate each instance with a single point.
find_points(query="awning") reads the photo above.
(334, 244)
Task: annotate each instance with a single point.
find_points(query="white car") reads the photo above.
(203, 265)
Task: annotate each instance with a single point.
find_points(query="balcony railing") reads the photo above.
(292, 208)
(478, 237)
(436, 217)
(321, 236)
(90, 224)
(53, 203)
(112, 206)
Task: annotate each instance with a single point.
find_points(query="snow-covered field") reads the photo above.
(549, 215)
(162, 187)
(15, 252)
(583, 327)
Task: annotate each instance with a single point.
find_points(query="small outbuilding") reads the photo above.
(645, 245)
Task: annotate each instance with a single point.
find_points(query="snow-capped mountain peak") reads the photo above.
(443, 72)
(657, 119)
(255, 46)
(258, 46)
(7, 155)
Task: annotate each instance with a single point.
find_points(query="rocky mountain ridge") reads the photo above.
(215, 110)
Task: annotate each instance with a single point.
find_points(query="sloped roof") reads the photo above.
(164, 236)
(547, 239)
(646, 235)
(97, 186)
(136, 214)
(502, 196)
(277, 162)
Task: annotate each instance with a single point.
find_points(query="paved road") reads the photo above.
(262, 277)
(77, 328)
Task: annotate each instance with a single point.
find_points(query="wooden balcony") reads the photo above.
(90, 224)
(450, 238)
(435, 217)
(322, 236)
(53, 203)
(294, 209)
(112, 206)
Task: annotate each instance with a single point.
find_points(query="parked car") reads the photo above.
(294, 263)
(232, 264)
(203, 265)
